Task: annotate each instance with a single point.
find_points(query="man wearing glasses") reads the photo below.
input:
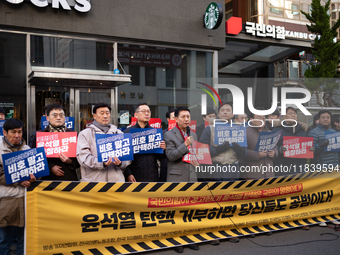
(62, 168)
(144, 167)
(290, 127)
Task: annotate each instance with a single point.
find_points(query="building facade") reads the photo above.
(82, 52)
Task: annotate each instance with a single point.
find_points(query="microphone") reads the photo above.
(188, 130)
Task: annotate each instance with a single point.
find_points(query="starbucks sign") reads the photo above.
(213, 16)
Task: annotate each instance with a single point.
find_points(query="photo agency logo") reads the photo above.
(239, 101)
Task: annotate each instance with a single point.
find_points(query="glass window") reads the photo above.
(292, 14)
(276, 3)
(134, 71)
(13, 75)
(71, 53)
(334, 15)
(257, 7)
(275, 12)
(150, 76)
(333, 7)
(292, 5)
(2, 58)
(168, 75)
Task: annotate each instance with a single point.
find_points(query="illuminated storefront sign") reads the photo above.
(79, 5)
(276, 32)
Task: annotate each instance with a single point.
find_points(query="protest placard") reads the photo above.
(69, 122)
(232, 134)
(298, 147)
(201, 152)
(114, 145)
(146, 140)
(171, 124)
(20, 164)
(193, 125)
(153, 122)
(334, 141)
(2, 122)
(267, 140)
(58, 142)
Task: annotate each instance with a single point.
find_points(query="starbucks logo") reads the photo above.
(213, 16)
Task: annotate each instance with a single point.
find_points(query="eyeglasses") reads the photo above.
(55, 115)
(145, 111)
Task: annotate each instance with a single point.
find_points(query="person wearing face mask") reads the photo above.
(91, 169)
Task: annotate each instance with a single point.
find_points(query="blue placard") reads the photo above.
(2, 122)
(334, 141)
(114, 145)
(69, 122)
(18, 165)
(146, 140)
(267, 141)
(232, 134)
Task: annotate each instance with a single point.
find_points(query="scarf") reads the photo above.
(184, 134)
(12, 146)
(57, 129)
(102, 127)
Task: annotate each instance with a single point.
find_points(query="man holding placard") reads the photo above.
(12, 204)
(61, 167)
(144, 167)
(259, 160)
(224, 155)
(291, 128)
(91, 168)
(326, 159)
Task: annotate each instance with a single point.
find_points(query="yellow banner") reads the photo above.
(119, 218)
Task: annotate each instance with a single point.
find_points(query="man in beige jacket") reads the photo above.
(91, 169)
(12, 197)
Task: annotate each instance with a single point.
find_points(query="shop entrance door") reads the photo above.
(85, 100)
(77, 102)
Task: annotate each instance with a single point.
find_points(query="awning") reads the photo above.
(244, 53)
(75, 77)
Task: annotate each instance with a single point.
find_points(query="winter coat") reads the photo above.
(12, 202)
(144, 167)
(91, 169)
(298, 131)
(320, 155)
(253, 160)
(178, 171)
(69, 169)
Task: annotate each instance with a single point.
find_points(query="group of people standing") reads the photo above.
(168, 166)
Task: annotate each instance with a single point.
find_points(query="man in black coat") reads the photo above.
(144, 167)
(210, 116)
(289, 130)
(62, 168)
